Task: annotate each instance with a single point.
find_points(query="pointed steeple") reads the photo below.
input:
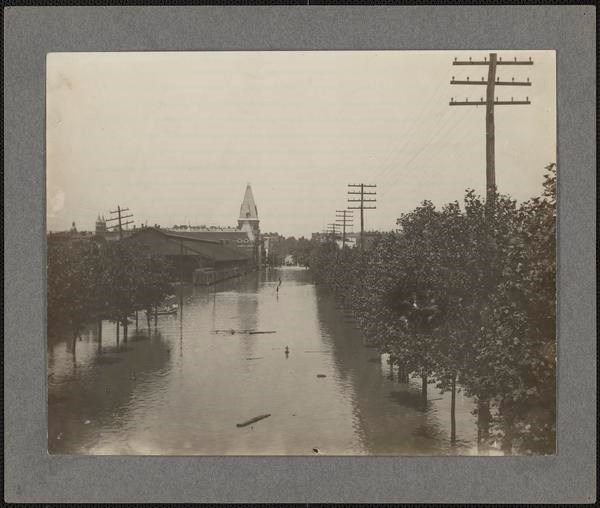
(248, 209)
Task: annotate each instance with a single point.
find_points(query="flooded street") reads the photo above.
(182, 388)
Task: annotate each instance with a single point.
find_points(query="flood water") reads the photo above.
(181, 388)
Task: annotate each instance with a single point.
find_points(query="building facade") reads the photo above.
(246, 237)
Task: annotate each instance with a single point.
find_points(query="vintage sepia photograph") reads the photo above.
(301, 253)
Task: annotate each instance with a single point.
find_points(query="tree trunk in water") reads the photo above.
(117, 333)
(155, 316)
(100, 335)
(424, 389)
(74, 346)
(507, 422)
(148, 319)
(125, 324)
(136, 321)
(483, 422)
(453, 413)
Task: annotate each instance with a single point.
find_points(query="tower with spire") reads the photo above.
(100, 225)
(248, 220)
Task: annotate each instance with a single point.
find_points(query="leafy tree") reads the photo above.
(73, 268)
(466, 297)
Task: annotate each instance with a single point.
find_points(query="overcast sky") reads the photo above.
(176, 136)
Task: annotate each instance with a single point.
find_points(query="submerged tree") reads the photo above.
(90, 281)
(73, 269)
(467, 298)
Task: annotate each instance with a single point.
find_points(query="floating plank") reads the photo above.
(231, 331)
(253, 420)
(321, 375)
(256, 333)
(256, 358)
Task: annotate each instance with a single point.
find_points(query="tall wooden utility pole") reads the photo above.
(362, 200)
(344, 217)
(120, 218)
(490, 102)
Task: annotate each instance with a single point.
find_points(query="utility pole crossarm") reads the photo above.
(122, 217)
(362, 206)
(498, 62)
(119, 211)
(501, 83)
(484, 103)
(490, 102)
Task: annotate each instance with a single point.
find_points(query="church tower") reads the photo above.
(100, 225)
(249, 222)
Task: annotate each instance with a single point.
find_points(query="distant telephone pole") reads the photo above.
(362, 200)
(344, 217)
(120, 219)
(489, 103)
(332, 230)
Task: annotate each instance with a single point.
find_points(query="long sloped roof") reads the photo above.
(205, 248)
(214, 236)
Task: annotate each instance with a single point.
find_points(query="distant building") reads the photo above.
(352, 239)
(249, 223)
(100, 225)
(248, 220)
(269, 247)
(189, 254)
(245, 237)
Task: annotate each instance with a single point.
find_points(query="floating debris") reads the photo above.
(242, 332)
(256, 358)
(87, 422)
(317, 351)
(316, 450)
(321, 375)
(253, 420)
(231, 331)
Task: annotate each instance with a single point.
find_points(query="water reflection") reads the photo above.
(182, 388)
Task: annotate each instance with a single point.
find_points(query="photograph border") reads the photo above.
(32, 475)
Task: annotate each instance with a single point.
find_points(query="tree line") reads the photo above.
(91, 281)
(300, 248)
(465, 296)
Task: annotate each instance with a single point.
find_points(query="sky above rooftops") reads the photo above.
(176, 136)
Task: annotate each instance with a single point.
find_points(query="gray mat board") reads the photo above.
(32, 475)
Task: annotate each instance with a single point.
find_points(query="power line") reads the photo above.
(407, 134)
(440, 132)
